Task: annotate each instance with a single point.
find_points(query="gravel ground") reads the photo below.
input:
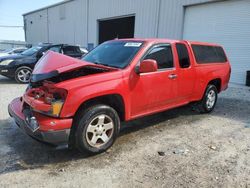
(177, 148)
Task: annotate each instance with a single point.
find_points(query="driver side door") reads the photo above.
(155, 91)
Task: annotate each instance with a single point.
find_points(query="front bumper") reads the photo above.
(7, 71)
(51, 130)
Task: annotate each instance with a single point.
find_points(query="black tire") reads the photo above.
(83, 121)
(25, 79)
(203, 105)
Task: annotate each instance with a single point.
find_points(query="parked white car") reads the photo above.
(12, 51)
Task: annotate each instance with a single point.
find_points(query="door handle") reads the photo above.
(172, 76)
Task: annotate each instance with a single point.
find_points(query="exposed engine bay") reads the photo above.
(55, 77)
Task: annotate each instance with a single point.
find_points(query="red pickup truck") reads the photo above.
(82, 102)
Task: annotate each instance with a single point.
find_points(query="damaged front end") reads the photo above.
(46, 99)
(42, 95)
(40, 127)
(37, 112)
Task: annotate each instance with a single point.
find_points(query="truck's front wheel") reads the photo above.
(97, 129)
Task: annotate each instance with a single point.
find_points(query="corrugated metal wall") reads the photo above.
(64, 23)
(68, 23)
(229, 28)
(36, 27)
(76, 22)
(172, 16)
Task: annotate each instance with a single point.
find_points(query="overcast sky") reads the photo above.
(11, 15)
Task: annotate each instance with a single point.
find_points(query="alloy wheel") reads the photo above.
(100, 130)
(211, 97)
(24, 75)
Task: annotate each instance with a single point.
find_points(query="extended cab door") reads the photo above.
(186, 73)
(155, 91)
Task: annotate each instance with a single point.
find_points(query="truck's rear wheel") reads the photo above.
(97, 129)
(208, 102)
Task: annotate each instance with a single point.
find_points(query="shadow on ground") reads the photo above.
(5, 80)
(20, 152)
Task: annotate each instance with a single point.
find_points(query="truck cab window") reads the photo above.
(162, 55)
(209, 54)
(183, 56)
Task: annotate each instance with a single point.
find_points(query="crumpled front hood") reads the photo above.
(53, 61)
(52, 64)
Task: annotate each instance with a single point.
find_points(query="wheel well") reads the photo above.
(114, 100)
(25, 66)
(217, 83)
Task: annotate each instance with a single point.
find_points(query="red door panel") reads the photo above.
(153, 91)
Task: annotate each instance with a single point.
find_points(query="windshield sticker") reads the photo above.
(133, 44)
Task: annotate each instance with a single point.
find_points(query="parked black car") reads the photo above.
(20, 66)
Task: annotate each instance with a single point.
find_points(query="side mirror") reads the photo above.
(147, 65)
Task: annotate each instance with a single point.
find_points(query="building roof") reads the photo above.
(49, 6)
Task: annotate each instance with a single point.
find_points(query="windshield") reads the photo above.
(114, 54)
(31, 51)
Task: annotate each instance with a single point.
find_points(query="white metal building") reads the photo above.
(89, 22)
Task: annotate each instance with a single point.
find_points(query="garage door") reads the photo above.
(226, 23)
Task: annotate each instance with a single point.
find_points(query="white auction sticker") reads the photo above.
(133, 44)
